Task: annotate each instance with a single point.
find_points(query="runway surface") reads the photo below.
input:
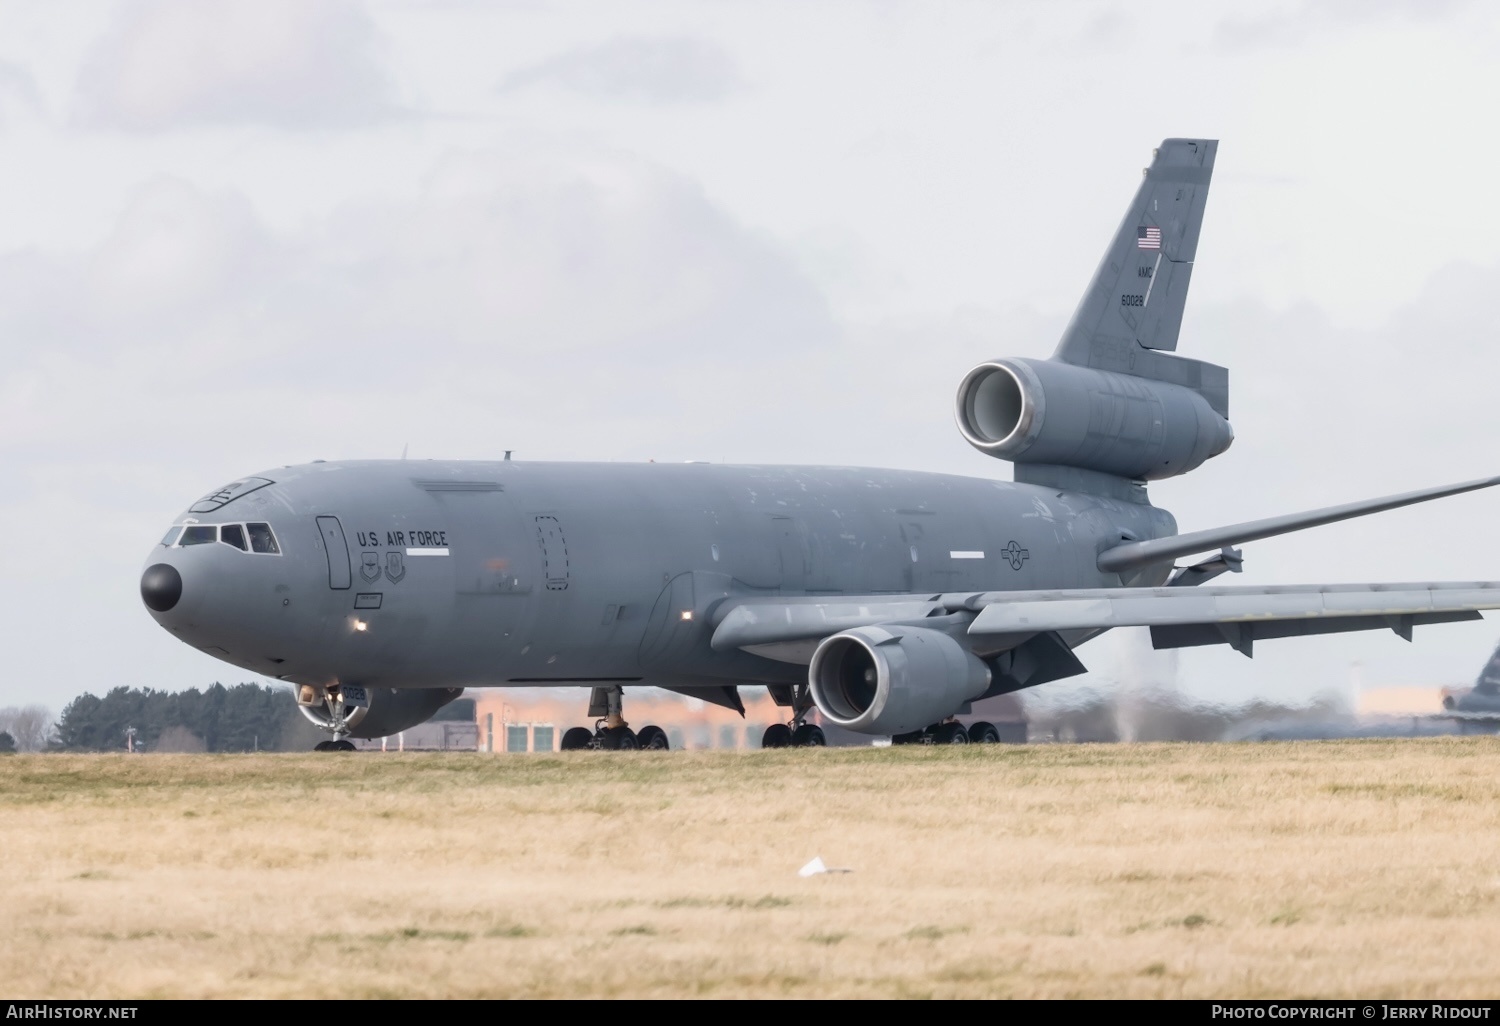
(1360, 868)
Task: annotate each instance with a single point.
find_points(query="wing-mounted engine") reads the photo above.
(891, 680)
(372, 712)
(1040, 411)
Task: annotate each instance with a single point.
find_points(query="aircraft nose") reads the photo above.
(161, 587)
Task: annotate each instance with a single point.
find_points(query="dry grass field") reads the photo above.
(1357, 868)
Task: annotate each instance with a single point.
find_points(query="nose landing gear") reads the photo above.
(326, 708)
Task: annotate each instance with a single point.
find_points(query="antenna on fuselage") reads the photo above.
(507, 455)
(404, 447)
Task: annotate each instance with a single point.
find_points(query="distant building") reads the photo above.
(1412, 700)
(533, 720)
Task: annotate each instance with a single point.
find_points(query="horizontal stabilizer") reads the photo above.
(1135, 555)
(1491, 718)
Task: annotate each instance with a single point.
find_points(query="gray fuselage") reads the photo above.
(446, 574)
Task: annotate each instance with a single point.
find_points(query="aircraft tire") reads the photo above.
(344, 746)
(575, 739)
(618, 739)
(982, 733)
(809, 735)
(653, 739)
(324, 746)
(910, 738)
(777, 735)
(950, 734)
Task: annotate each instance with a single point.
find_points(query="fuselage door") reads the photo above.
(337, 550)
(554, 552)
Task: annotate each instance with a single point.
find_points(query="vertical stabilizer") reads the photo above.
(1489, 677)
(1137, 295)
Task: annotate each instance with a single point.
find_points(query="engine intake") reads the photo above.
(1040, 411)
(891, 680)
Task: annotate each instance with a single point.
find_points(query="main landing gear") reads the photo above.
(611, 733)
(798, 733)
(951, 732)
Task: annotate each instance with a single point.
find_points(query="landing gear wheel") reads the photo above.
(915, 737)
(777, 735)
(982, 733)
(809, 735)
(652, 739)
(950, 734)
(325, 746)
(618, 739)
(575, 739)
(344, 746)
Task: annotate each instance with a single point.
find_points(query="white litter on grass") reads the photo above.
(817, 865)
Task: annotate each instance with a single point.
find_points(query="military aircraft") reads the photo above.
(1477, 709)
(886, 600)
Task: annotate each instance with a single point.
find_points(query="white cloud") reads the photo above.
(580, 301)
(667, 69)
(563, 304)
(18, 92)
(164, 64)
(1298, 24)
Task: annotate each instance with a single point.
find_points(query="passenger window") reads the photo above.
(171, 535)
(262, 540)
(233, 534)
(202, 534)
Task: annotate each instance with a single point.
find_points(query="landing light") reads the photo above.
(687, 614)
(360, 625)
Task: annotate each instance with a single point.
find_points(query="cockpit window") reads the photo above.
(245, 537)
(262, 540)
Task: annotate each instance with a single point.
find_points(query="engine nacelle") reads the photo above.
(391, 710)
(891, 680)
(1040, 411)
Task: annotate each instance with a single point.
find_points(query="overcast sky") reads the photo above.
(243, 233)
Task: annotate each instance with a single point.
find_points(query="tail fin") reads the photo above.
(1489, 677)
(1134, 304)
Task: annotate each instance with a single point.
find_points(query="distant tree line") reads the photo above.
(241, 718)
(26, 728)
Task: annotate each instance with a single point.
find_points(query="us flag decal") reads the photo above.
(1147, 238)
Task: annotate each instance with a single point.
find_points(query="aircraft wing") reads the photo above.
(1237, 616)
(1178, 617)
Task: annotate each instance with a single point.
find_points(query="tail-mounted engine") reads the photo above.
(892, 680)
(1040, 411)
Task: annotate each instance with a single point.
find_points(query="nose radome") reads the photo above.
(161, 587)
